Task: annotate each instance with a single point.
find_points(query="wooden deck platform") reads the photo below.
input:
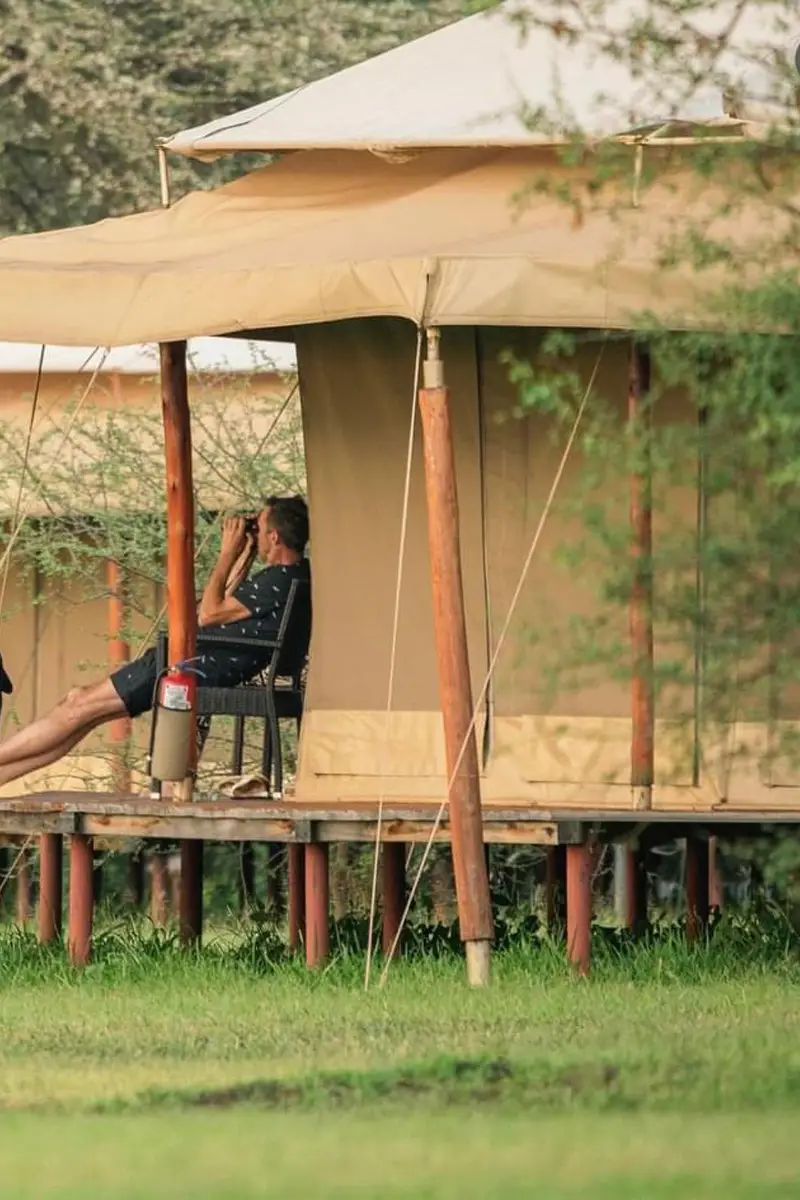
(116, 817)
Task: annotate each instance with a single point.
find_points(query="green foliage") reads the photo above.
(95, 479)
(86, 87)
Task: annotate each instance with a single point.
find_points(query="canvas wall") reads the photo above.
(566, 744)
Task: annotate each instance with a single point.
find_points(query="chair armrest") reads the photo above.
(221, 639)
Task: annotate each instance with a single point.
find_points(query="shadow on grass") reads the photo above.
(449, 1082)
(444, 1082)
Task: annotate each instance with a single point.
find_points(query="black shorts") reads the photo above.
(135, 683)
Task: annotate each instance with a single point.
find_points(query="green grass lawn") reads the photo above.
(670, 1073)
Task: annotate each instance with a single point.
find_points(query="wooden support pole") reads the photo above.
(579, 907)
(393, 870)
(318, 944)
(190, 912)
(296, 887)
(51, 862)
(81, 899)
(181, 604)
(696, 888)
(455, 688)
(641, 606)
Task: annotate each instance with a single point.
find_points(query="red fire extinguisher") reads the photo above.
(173, 724)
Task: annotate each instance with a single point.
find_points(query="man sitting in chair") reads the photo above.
(231, 603)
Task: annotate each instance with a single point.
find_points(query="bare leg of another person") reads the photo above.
(25, 766)
(48, 739)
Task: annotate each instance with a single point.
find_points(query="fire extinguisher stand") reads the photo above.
(172, 729)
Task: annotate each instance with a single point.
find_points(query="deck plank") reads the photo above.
(110, 816)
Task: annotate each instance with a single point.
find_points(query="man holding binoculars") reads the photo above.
(231, 604)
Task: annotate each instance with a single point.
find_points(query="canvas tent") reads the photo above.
(351, 252)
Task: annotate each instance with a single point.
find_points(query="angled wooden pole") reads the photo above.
(181, 605)
(641, 605)
(455, 688)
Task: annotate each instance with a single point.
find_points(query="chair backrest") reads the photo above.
(294, 632)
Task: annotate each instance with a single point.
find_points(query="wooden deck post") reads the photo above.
(579, 907)
(81, 899)
(190, 912)
(455, 688)
(318, 943)
(181, 605)
(393, 870)
(51, 861)
(696, 887)
(641, 605)
(296, 888)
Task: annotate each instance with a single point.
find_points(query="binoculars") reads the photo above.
(251, 527)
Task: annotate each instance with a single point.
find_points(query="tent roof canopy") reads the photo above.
(322, 237)
(524, 73)
(422, 234)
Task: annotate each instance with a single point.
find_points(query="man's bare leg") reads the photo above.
(54, 735)
(25, 766)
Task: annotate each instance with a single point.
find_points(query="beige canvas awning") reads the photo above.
(325, 236)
